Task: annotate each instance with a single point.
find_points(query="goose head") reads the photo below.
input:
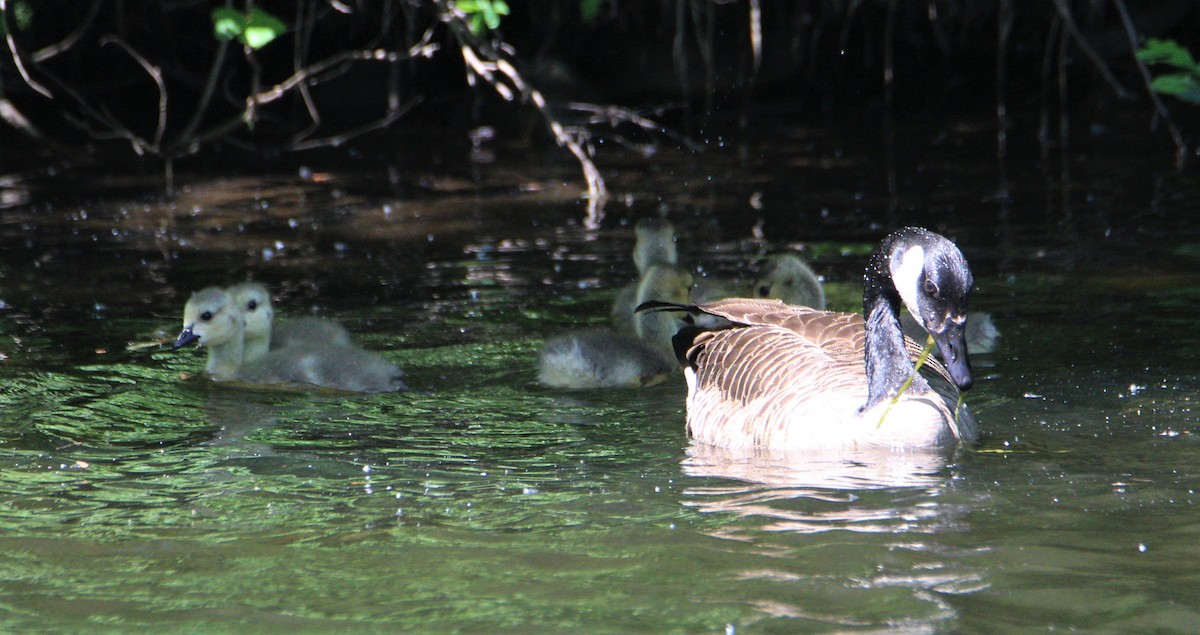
(655, 244)
(933, 279)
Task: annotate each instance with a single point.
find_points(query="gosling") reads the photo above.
(214, 319)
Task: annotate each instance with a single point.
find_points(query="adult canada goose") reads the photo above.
(763, 374)
(654, 245)
(216, 320)
(788, 278)
(264, 333)
(602, 358)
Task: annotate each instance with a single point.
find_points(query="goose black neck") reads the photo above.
(887, 362)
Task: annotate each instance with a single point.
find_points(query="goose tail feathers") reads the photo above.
(655, 306)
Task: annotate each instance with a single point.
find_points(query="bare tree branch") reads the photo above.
(336, 140)
(1159, 107)
(16, 55)
(1081, 41)
(47, 52)
(210, 85)
(155, 73)
(496, 69)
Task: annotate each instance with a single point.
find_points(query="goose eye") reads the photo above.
(206, 316)
(930, 287)
(252, 305)
(764, 290)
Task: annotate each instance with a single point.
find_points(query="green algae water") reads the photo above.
(137, 496)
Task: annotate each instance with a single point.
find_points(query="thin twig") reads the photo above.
(12, 49)
(1003, 32)
(1159, 107)
(756, 35)
(185, 145)
(12, 116)
(704, 44)
(47, 52)
(614, 115)
(1089, 51)
(494, 67)
(680, 57)
(1047, 66)
(272, 93)
(337, 140)
(214, 74)
(301, 42)
(155, 73)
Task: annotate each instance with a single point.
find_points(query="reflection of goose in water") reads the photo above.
(762, 374)
(235, 415)
(864, 468)
(818, 492)
(598, 358)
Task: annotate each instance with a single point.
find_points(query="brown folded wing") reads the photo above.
(835, 332)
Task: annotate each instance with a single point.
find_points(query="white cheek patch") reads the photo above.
(907, 275)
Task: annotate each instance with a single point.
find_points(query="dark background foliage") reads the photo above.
(86, 83)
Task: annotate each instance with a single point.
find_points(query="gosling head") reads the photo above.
(254, 302)
(655, 244)
(933, 279)
(665, 283)
(788, 278)
(212, 318)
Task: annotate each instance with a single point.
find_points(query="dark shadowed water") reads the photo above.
(136, 495)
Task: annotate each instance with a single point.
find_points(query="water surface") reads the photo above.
(135, 495)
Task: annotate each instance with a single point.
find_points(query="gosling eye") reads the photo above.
(206, 316)
(252, 305)
(930, 287)
(764, 290)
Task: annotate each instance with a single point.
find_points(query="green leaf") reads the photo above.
(483, 13)
(255, 29)
(589, 10)
(1183, 86)
(22, 14)
(489, 15)
(1168, 52)
(261, 28)
(228, 23)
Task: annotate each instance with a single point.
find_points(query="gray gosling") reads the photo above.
(216, 321)
(264, 332)
(603, 358)
(788, 278)
(654, 245)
